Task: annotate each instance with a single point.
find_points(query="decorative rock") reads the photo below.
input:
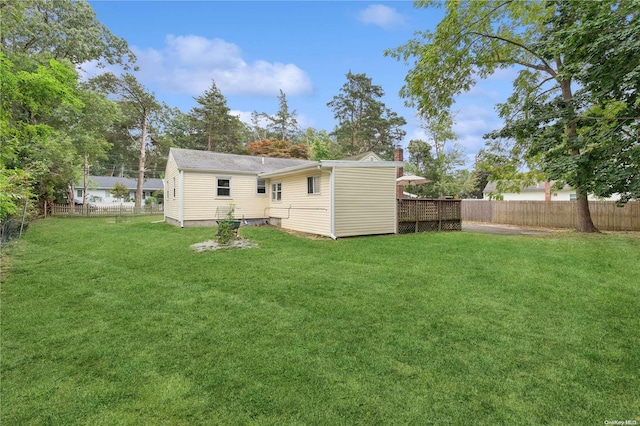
(211, 245)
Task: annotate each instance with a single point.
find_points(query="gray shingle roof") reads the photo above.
(189, 159)
(108, 182)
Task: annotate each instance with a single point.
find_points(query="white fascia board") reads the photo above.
(220, 172)
(290, 170)
(375, 164)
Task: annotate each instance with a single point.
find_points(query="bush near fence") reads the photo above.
(64, 210)
(606, 215)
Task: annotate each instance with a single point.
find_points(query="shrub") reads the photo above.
(225, 232)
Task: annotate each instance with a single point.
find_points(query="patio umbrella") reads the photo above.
(412, 180)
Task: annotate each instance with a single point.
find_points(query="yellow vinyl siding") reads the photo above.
(365, 201)
(171, 203)
(301, 211)
(201, 203)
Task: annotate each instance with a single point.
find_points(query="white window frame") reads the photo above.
(218, 187)
(313, 185)
(264, 186)
(276, 192)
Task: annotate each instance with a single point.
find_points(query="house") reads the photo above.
(99, 190)
(542, 191)
(333, 198)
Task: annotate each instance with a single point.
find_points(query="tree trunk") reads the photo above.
(585, 224)
(85, 183)
(141, 161)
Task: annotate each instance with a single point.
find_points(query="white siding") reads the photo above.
(365, 201)
(299, 210)
(201, 203)
(171, 202)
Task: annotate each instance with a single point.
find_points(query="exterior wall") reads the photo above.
(104, 196)
(539, 196)
(171, 191)
(300, 211)
(202, 204)
(365, 201)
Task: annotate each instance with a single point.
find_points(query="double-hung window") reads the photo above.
(276, 191)
(313, 185)
(261, 187)
(223, 187)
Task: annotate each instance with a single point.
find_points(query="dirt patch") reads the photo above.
(211, 245)
(499, 229)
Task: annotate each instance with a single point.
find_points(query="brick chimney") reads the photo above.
(398, 155)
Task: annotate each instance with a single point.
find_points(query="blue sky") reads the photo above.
(252, 49)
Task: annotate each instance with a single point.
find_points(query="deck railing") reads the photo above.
(421, 215)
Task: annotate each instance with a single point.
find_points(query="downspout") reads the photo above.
(332, 204)
(181, 198)
(165, 197)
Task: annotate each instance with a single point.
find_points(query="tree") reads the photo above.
(139, 104)
(443, 171)
(120, 191)
(322, 146)
(215, 127)
(60, 29)
(283, 125)
(479, 176)
(476, 38)
(449, 158)
(33, 143)
(364, 122)
(278, 149)
(41, 44)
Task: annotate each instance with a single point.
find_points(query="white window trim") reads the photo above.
(273, 192)
(316, 188)
(266, 188)
(226, 197)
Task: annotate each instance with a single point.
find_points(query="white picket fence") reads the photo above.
(64, 210)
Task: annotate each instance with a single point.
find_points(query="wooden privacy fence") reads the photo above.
(64, 210)
(416, 215)
(606, 215)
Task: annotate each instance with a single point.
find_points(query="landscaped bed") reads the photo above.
(123, 323)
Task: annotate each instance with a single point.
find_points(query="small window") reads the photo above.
(174, 187)
(276, 191)
(572, 197)
(223, 187)
(78, 192)
(313, 185)
(261, 188)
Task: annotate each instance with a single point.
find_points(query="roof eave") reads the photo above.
(349, 163)
(291, 170)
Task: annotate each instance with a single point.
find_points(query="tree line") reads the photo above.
(572, 117)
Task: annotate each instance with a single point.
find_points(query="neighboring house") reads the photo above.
(99, 191)
(542, 191)
(334, 198)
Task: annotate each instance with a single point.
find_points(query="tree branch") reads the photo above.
(546, 67)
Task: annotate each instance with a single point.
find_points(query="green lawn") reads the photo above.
(122, 323)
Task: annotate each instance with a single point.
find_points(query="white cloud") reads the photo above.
(188, 64)
(382, 16)
(244, 116)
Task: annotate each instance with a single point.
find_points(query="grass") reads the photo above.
(121, 323)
